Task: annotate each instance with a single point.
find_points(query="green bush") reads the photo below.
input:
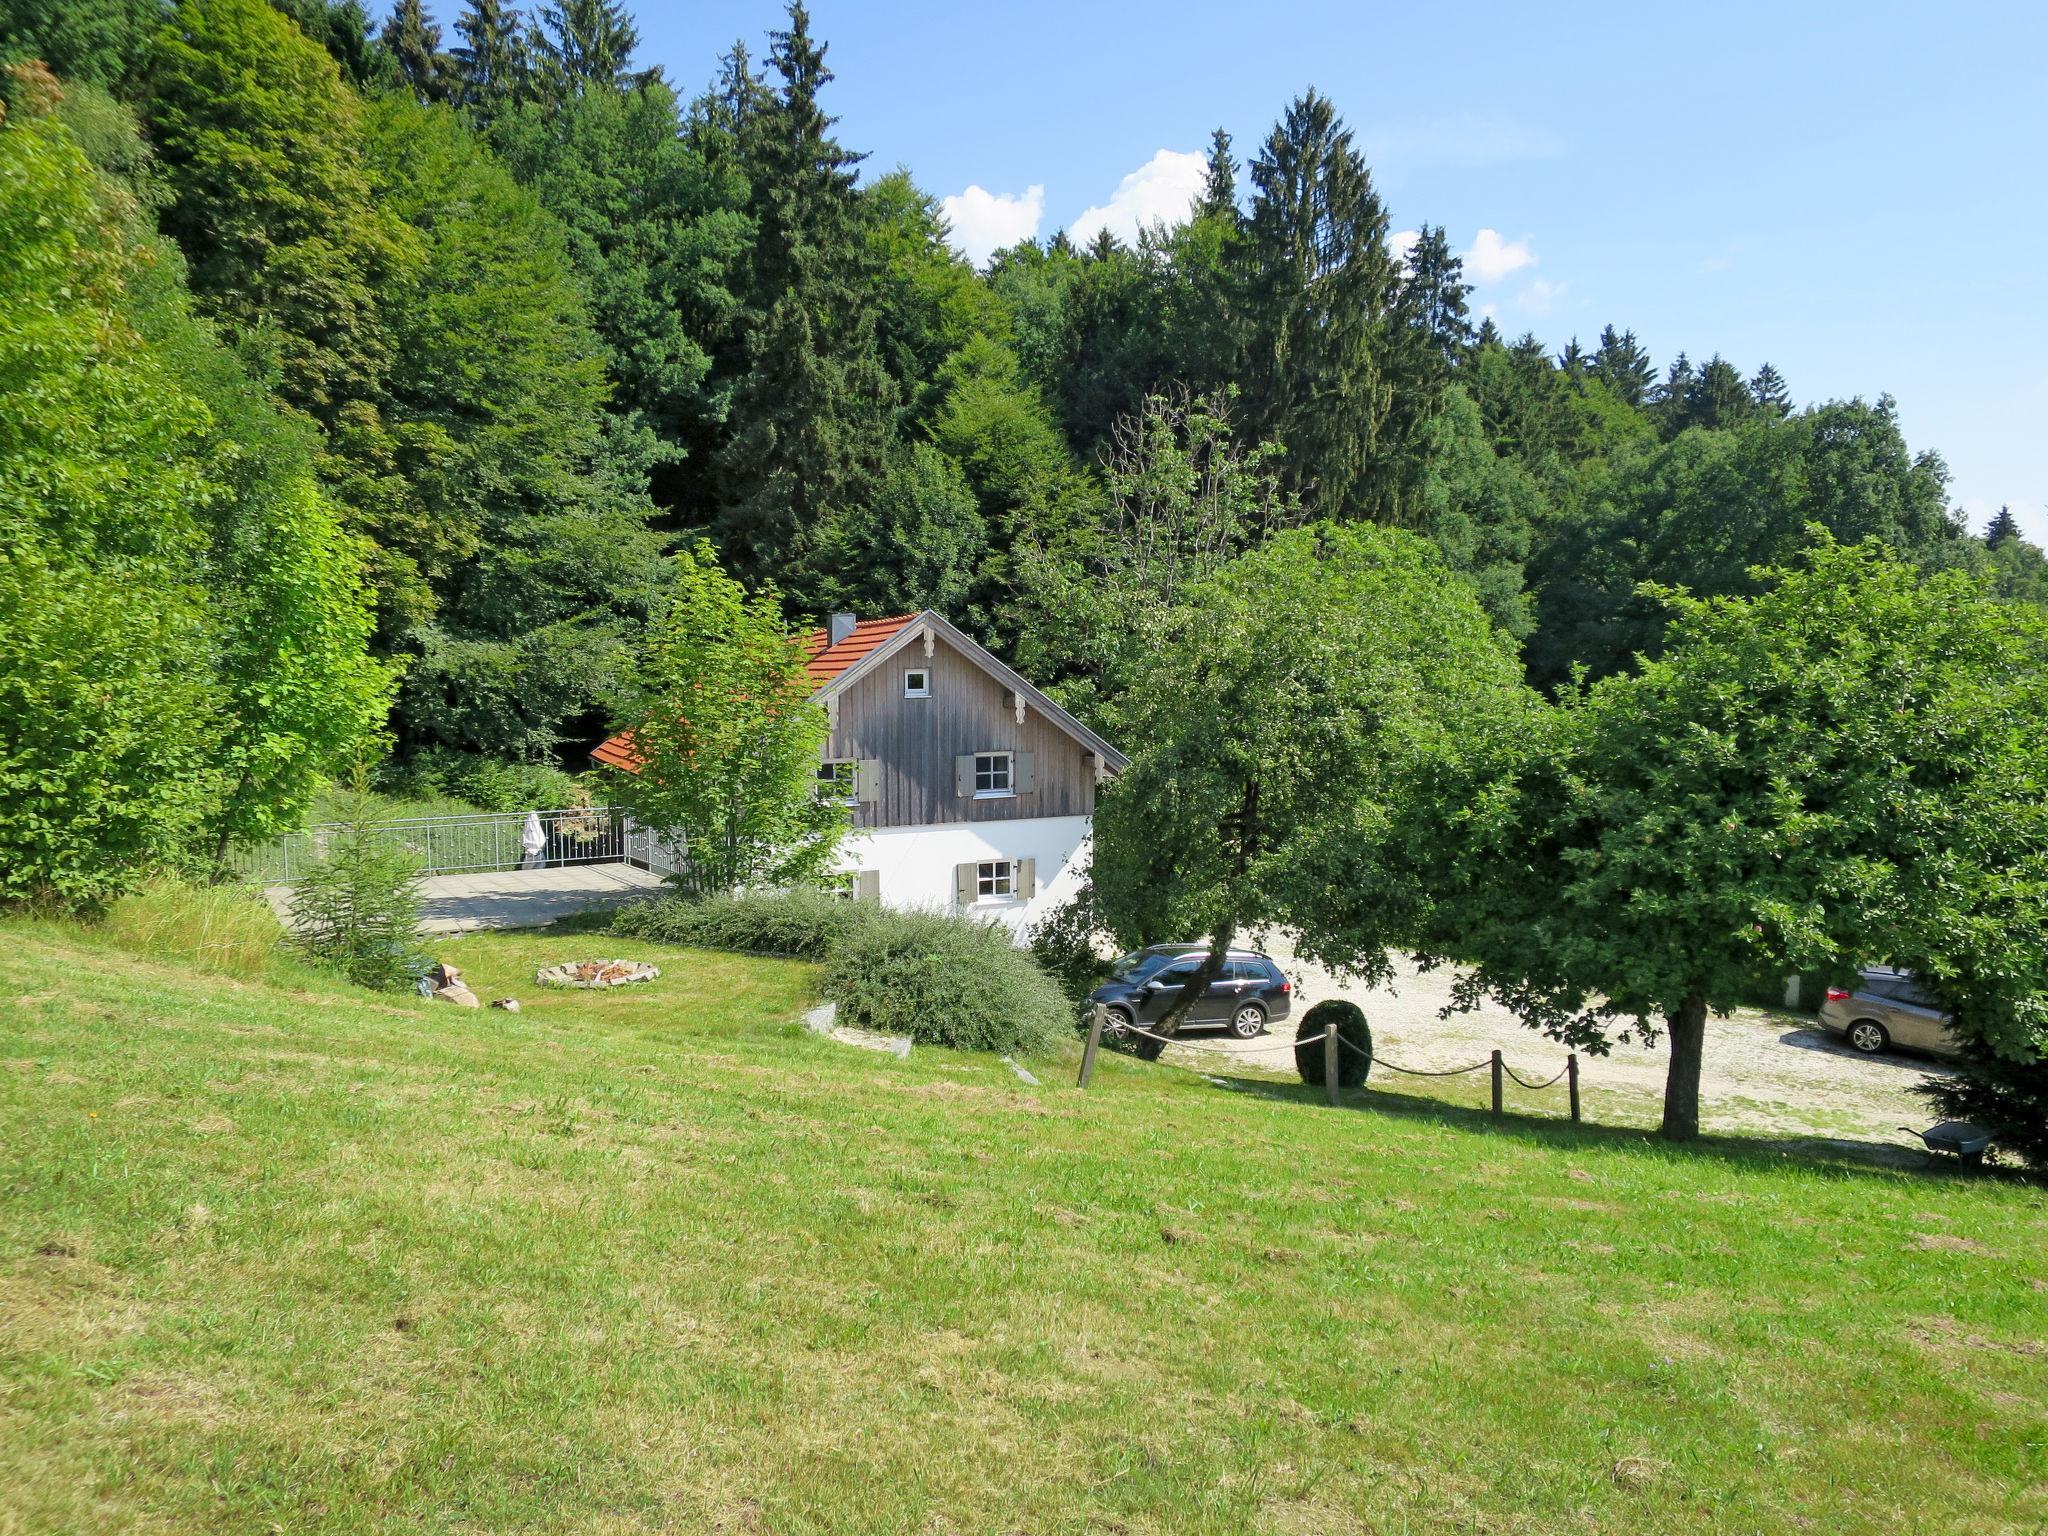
(945, 981)
(801, 924)
(488, 783)
(1063, 943)
(1354, 1050)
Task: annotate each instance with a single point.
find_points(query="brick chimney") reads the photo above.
(838, 627)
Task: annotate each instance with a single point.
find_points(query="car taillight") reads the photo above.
(1838, 994)
(1286, 986)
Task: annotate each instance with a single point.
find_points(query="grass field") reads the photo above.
(279, 1257)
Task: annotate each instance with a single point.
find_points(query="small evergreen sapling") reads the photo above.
(357, 910)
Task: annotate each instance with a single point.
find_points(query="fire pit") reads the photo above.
(596, 973)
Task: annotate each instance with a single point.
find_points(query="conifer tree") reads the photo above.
(585, 43)
(1718, 398)
(812, 418)
(1219, 185)
(1319, 284)
(1767, 388)
(415, 42)
(1623, 366)
(492, 67)
(2002, 528)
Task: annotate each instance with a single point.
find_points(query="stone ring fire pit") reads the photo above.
(595, 973)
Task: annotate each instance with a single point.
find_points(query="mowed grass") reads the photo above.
(275, 1256)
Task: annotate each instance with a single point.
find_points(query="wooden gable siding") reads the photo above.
(914, 743)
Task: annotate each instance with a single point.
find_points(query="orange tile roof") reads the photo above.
(823, 662)
(617, 752)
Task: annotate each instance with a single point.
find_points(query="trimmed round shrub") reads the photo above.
(1354, 1043)
(945, 981)
(803, 925)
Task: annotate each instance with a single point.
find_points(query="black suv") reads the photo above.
(1249, 993)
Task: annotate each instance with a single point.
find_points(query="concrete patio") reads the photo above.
(521, 898)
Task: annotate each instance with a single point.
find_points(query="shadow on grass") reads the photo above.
(1839, 1155)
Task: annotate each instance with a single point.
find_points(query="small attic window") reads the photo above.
(917, 684)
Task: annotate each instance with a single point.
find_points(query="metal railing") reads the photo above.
(486, 842)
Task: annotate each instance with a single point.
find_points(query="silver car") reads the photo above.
(1887, 1009)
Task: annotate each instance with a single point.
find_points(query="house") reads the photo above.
(970, 790)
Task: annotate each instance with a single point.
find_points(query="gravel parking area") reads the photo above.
(1776, 1075)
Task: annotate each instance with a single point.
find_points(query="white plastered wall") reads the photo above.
(917, 865)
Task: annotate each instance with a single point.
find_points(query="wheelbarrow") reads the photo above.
(1966, 1141)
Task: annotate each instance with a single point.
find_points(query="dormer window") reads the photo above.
(917, 684)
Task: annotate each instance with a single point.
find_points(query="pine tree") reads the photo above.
(1219, 186)
(415, 41)
(2002, 527)
(493, 67)
(1320, 281)
(1572, 362)
(1671, 400)
(1717, 398)
(1768, 389)
(1428, 335)
(586, 43)
(813, 413)
(1624, 367)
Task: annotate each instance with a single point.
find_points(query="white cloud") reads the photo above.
(1161, 191)
(985, 222)
(1540, 297)
(1492, 258)
(1401, 242)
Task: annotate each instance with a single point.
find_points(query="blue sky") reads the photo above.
(1856, 193)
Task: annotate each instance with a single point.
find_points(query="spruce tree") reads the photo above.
(585, 43)
(1428, 335)
(1219, 186)
(1672, 399)
(1623, 366)
(1717, 398)
(2002, 528)
(1319, 282)
(1768, 389)
(493, 68)
(415, 42)
(813, 413)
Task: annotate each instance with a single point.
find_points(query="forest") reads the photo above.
(358, 378)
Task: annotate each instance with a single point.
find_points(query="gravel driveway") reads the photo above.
(1777, 1075)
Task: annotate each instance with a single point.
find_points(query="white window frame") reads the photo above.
(847, 773)
(922, 689)
(1002, 765)
(995, 880)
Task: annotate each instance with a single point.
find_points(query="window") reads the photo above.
(1180, 973)
(992, 774)
(995, 880)
(917, 684)
(839, 779)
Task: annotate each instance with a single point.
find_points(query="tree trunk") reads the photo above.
(1195, 990)
(1682, 1083)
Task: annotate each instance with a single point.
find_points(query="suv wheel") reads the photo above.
(1868, 1036)
(1249, 1022)
(1117, 1023)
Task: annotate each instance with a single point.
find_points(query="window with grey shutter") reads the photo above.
(963, 775)
(1023, 773)
(1027, 878)
(963, 880)
(867, 885)
(867, 780)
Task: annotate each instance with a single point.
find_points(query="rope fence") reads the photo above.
(1330, 1040)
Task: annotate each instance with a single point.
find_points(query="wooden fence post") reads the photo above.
(1571, 1076)
(1496, 1082)
(1094, 1043)
(1330, 1068)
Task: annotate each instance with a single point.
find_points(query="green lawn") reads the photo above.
(279, 1257)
